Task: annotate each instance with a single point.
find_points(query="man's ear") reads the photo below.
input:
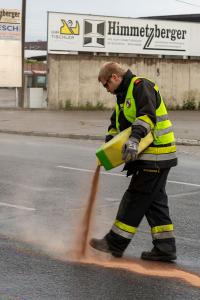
(116, 77)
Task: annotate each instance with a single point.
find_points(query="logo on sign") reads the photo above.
(69, 29)
(94, 33)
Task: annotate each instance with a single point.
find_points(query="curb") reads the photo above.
(187, 142)
(179, 141)
(54, 134)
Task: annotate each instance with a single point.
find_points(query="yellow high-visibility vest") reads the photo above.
(162, 131)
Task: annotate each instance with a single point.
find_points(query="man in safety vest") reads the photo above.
(140, 105)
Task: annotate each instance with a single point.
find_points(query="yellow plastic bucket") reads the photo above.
(109, 155)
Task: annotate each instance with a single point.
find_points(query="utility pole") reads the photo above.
(21, 100)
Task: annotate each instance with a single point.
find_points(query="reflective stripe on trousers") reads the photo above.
(123, 229)
(162, 232)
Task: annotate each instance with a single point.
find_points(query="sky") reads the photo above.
(36, 10)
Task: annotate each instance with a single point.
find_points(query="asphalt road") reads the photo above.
(44, 185)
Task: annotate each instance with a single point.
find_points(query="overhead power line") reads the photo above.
(189, 3)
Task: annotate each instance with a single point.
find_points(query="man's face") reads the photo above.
(111, 83)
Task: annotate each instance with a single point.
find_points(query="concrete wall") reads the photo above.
(8, 97)
(74, 78)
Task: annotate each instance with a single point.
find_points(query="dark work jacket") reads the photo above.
(147, 100)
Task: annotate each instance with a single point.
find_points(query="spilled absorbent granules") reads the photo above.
(88, 213)
(131, 265)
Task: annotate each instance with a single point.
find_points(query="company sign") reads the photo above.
(70, 32)
(10, 24)
(10, 48)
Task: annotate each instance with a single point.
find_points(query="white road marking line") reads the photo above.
(123, 175)
(89, 171)
(113, 174)
(109, 199)
(184, 183)
(184, 194)
(76, 169)
(17, 206)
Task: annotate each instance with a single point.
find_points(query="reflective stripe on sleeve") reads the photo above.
(142, 123)
(146, 119)
(112, 131)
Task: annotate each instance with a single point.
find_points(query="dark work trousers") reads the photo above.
(145, 196)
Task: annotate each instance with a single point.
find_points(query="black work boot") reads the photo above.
(102, 245)
(156, 255)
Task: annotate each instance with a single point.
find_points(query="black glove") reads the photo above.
(130, 150)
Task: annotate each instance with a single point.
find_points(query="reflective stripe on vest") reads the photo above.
(156, 157)
(162, 130)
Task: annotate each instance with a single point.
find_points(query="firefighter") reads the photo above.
(139, 104)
